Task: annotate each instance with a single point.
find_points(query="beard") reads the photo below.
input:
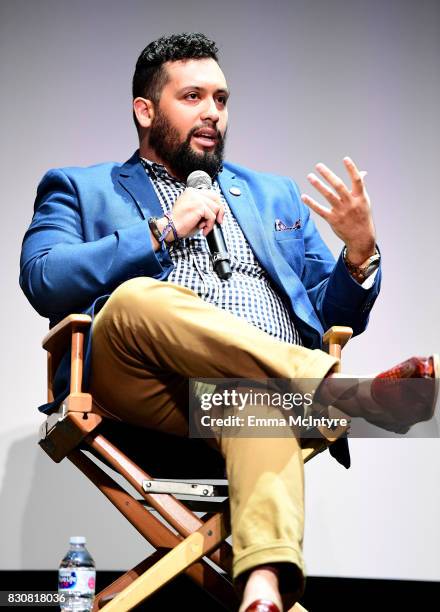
(181, 158)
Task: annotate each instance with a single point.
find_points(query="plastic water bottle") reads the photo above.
(76, 578)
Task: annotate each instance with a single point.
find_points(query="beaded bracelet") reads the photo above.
(172, 226)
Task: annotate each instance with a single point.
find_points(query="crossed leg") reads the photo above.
(148, 340)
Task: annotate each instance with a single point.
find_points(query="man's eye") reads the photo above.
(192, 96)
(222, 100)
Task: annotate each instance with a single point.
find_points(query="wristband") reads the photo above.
(152, 224)
(171, 226)
(161, 235)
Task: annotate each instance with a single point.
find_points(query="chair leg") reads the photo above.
(155, 532)
(118, 585)
(177, 560)
(216, 585)
(172, 510)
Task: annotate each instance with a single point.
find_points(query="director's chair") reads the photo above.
(183, 542)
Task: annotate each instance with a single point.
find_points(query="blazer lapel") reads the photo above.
(242, 204)
(245, 209)
(134, 179)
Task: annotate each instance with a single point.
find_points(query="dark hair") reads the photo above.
(150, 76)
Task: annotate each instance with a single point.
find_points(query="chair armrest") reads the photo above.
(69, 333)
(58, 337)
(335, 338)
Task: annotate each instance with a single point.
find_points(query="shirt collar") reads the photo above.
(156, 170)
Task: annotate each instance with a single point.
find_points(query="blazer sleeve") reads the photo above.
(336, 297)
(61, 272)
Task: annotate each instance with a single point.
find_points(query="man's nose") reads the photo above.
(210, 111)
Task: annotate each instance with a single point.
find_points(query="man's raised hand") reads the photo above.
(349, 214)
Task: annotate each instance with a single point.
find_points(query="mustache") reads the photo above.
(219, 136)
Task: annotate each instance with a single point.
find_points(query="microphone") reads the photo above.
(216, 242)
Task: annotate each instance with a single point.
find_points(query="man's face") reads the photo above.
(190, 121)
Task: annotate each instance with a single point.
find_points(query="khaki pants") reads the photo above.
(148, 339)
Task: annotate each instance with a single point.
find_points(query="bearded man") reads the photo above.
(127, 244)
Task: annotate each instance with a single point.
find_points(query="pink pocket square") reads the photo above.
(280, 226)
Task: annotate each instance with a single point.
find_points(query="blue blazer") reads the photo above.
(89, 234)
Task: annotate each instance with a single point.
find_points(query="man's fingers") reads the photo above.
(322, 211)
(215, 205)
(324, 190)
(212, 194)
(197, 209)
(213, 197)
(334, 180)
(356, 176)
(219, 212)
(220, 215)
(210, 216)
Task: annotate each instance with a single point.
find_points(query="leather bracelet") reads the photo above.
(161, 235)
(152, 224)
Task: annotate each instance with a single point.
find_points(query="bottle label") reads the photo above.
(81, 580)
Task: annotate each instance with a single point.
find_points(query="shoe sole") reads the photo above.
(436, 365)
(436, 361)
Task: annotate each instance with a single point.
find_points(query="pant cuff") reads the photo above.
(259, 555)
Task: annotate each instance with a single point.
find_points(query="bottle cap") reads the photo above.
(77, 540)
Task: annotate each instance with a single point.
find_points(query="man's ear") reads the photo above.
(144, 111)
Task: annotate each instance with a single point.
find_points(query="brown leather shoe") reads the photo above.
(406, 393)
(262, 605)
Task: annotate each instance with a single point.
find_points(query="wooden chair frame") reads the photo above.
(75, 427)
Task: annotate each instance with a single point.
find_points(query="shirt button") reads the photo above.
(235, 191)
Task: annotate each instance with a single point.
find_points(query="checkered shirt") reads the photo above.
(248, 293)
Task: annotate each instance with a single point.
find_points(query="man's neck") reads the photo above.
(147, 152)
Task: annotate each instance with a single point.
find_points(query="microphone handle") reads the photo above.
(219, 253)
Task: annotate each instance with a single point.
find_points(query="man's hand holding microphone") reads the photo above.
(194, 210)
(197, 208)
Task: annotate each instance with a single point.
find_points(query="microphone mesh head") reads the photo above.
(199, 180)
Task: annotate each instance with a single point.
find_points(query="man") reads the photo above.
(104, 239)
